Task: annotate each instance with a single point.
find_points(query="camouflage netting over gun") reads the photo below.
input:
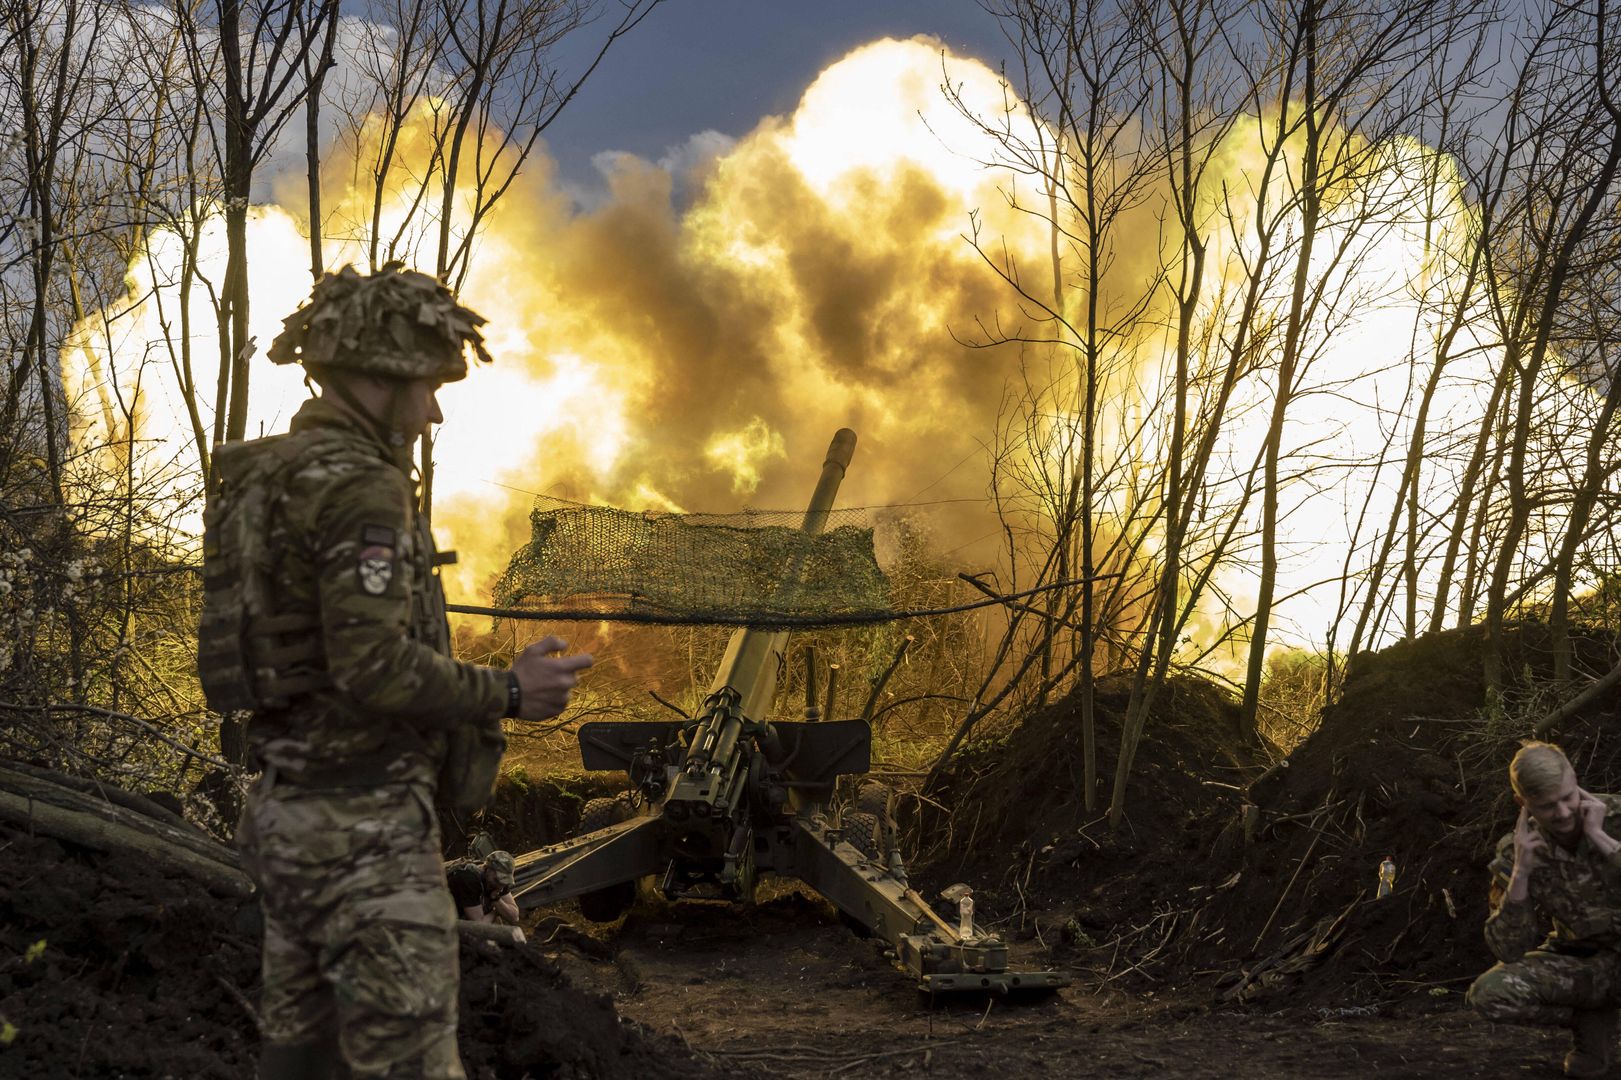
(756, 566)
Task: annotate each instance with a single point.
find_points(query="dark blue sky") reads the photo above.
(695, 65)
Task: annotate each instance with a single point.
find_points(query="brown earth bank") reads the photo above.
(1207, 939)
(1256, 884)
(110, 968)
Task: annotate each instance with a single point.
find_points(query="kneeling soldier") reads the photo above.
(1559, 868)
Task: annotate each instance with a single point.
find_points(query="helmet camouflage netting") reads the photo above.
(397, 323)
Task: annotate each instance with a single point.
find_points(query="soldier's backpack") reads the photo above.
(250, 656)
(472, 766)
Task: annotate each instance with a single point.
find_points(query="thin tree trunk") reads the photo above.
(1593, 475)
(1310, 207)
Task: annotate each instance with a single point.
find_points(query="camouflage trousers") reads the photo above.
(360, 943)
(1546, 987)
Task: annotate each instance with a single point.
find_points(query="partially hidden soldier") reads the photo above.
(483, 890)
(324, 618)
(1558, 873)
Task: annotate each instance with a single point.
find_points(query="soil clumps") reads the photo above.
(1248, 882)
(1018, 828)
(110, 968)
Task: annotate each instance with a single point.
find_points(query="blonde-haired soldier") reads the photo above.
(1559, 872)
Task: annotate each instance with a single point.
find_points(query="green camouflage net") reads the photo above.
(756, 566)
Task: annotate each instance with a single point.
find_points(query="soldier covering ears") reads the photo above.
(1558, 873)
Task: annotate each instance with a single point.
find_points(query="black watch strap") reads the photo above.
(514, 696)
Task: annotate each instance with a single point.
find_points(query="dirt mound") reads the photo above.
(1408, 764)
(1251, 892)
(1019, 829)
(110, 968)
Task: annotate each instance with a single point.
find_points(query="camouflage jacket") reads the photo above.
(348, 544)
(1574, 896)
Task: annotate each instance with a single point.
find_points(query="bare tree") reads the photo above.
(1356, 68)
(59, 97)
(263, 47)
(1567, 178)
(1080, 73)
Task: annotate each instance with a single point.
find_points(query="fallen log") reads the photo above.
(38, 788)
(112, 793)
(104, 831)
(1581, 701)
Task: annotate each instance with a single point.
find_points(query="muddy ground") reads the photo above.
(142, 976)
(1229, 931)
(788, 990)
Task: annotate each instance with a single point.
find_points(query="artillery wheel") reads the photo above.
(606, 905)
(874, 799)
(863, 832)
(601, 813)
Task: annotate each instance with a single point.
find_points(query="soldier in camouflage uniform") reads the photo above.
(360, 950)
(1558, 872)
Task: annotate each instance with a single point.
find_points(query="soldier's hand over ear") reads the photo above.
(545, 679)
(1592, 811)
(1529, 846)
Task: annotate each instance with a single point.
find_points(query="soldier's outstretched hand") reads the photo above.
(1529, 846)
(546, 679)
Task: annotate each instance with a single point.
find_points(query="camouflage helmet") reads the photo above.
(397, 323)
(501, 862)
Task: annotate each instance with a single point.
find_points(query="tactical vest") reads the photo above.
(253, 657)
(249, 655)
(472, 763)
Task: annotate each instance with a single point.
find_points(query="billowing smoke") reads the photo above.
(700, 356)
(693, 338)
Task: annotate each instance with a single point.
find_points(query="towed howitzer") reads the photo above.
(731, 795)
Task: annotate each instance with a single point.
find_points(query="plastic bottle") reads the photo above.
(1387, 877)
(965, 916)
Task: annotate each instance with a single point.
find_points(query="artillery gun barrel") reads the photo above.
(753, 656)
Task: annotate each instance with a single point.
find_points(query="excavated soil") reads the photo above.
(1248, 885)
(1410, 764)
(108, 968)
(143, 976)
(1011, 815)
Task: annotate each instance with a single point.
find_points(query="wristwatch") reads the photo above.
(514, 696)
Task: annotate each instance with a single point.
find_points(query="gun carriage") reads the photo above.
(731, 795)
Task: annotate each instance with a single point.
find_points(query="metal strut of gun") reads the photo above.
(731, 795)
